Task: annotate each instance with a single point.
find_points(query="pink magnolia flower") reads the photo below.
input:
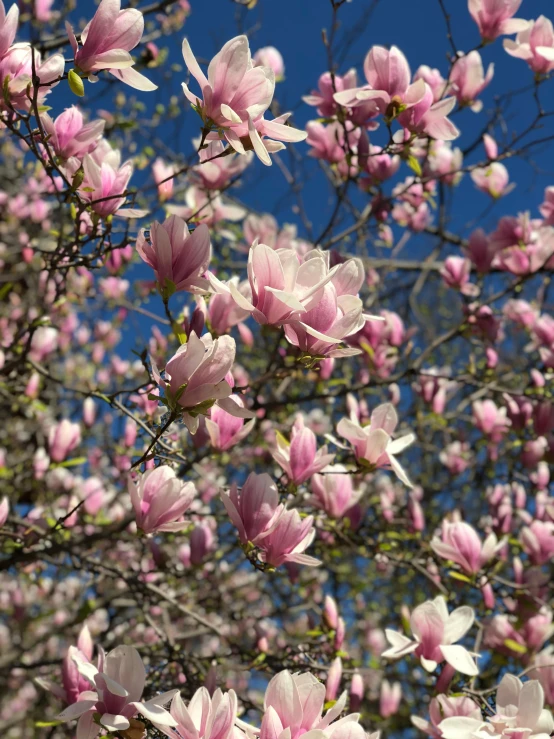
(490, 419)
(223, 311)
(160, 499)
(42, 9)
(283, 289)
(519, 710)
(8, 27)
(380, 166)
(226, 430)
(234, 90)
(256, 508)
(479, 250)
(543, 671)
(300, 458)
(469, 80)
(389, 699)
(460, 543)
(455, 272)
(434, 79)
(435, 388)
(73, 683)
(63, 437)
(196, 377)
(388, 75)
(206, 716)
(216, 169)
(443, 707)
(328, 141)
(323, 97)
(508, 636)
(337, 315)
(547, 208)
(494, 17)
(105, 183)
(535, 45)
(69, 135)
(260, 136)
(435, 635)
(444, 162)
(456, 457)
(287, 539)
(428, 117)
(494, 180)
(374, 443)
(106, 42)
(334, 492)
(537, 541)
(164, 178)
(119, 682)
(4, 510)
(203, 206)
(178, 258)
(16, 72)
(293, 706)
(269, 56)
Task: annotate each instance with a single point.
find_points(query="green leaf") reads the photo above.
(414, 165)
(459, 576)
(515, 646)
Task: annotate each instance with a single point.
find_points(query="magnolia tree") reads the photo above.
(261, 478)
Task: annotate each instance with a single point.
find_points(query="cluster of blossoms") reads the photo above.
(257, 385)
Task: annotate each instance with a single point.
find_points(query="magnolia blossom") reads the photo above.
(63, 437)
(69, 135)
(388, 75)
(196, 378)
(205, 717)
(283, 289)
(8, 27)
(106, 42)
(469, 79)
(535, 45)
(255, 509)
(105, 183)
(334, 492)
(235, 95)
(323, 97)
(490, 419)
(293, 707)
(119, 682)
(446, 706)
(164, 177)
(435, 635)
(537, 541)
(4, 510)
(207, 207)
(460, 543)
(337, 315)
(300, 458)
(427, 117)
(226, 430)
(217, 167)
(373, 443)
(519, 711)
(16, 72)
(73, 683)
(493, 180)
(287, 539)
(494, 17)
(179, 258)
(160, 499)
(269, 56)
